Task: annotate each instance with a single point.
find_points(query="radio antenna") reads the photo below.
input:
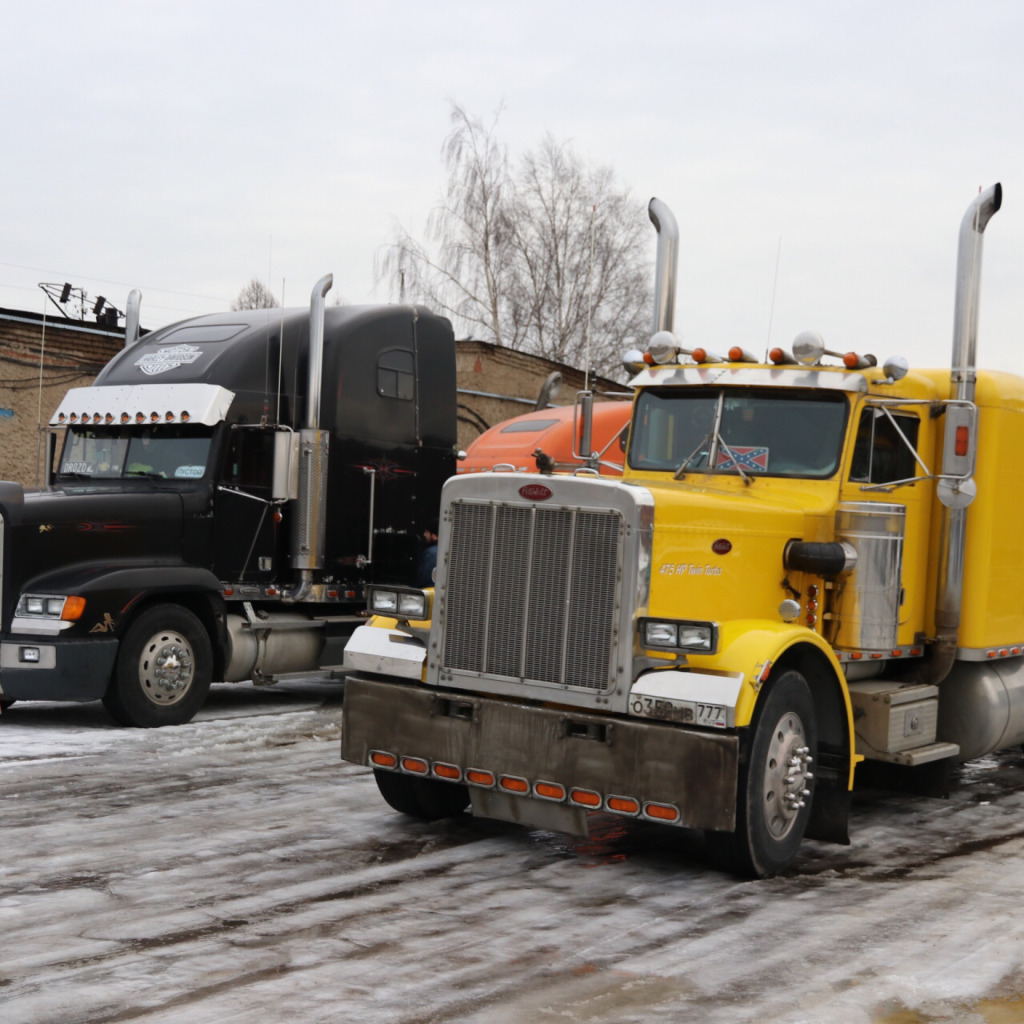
(775, 288)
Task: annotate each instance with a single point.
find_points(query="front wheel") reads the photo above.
(776, 783)
(163, 671)
(428, 799)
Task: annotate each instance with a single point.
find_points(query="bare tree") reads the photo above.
(540, 259)
(462, 275)
(255, 295)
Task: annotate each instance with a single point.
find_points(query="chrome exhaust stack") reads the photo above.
(666, 264)
(963, 375)
(310, 523)
(131, 318)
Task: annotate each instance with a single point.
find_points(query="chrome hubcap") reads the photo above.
(787, 775)
(166, 667)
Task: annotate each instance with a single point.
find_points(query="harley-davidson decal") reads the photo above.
(169, 358)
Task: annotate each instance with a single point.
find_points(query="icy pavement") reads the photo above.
(234, 870)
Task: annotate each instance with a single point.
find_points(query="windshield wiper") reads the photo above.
(701, 449)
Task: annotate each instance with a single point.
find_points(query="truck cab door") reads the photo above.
(892, 448)
(249, 546)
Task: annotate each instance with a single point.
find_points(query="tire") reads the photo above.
(163, 671)
(776, 784)
(427, 799)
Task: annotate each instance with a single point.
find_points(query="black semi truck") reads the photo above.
(225, 490)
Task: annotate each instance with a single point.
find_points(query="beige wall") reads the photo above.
(484, 370)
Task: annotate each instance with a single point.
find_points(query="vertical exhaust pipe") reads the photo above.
(316, 350)
(310, 525)
(666, 264)
(963, 375)
(131, 318)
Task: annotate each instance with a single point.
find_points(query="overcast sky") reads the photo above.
(184, 147)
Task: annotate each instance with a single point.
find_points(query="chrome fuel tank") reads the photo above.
(981, 706)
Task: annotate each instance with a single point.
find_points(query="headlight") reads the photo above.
(399, 604)
(667, 634)
(383, 602)
(51, 607)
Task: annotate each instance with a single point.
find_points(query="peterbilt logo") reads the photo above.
(535, 492)
(169, 358)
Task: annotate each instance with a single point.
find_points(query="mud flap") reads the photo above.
(830, 815)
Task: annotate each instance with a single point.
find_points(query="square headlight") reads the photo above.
(35, 605)
(412, 605)
(695, 637)
(660, 634)
(399, 604)
(383, 602)
(675, 635)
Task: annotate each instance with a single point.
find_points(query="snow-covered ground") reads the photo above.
(234, 870)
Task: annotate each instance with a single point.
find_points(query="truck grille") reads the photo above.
(531, 593)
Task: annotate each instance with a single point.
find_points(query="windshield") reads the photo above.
(111, 453)
(753, 432)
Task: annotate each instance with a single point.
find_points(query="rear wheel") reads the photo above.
(428, 799)
(163, 669)
(776, 783)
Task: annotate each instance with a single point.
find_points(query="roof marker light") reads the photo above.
(780, 357)
(741, 355)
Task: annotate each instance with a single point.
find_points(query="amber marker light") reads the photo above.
(477, 777)
(447, 771)
(382, 759)
(662, 812)
(623, 805)
(73, 608)
(549, 791)
(962, 438)
(513, 784)
(415, 765)
(585, 798)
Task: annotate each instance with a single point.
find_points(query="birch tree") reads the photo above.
(543, 254)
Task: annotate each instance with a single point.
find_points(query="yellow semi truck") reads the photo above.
(810, 562)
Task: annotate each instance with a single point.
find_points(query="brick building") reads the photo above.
(40, 358)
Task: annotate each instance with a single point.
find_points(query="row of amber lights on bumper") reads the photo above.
(125, 417)
(515, 785)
